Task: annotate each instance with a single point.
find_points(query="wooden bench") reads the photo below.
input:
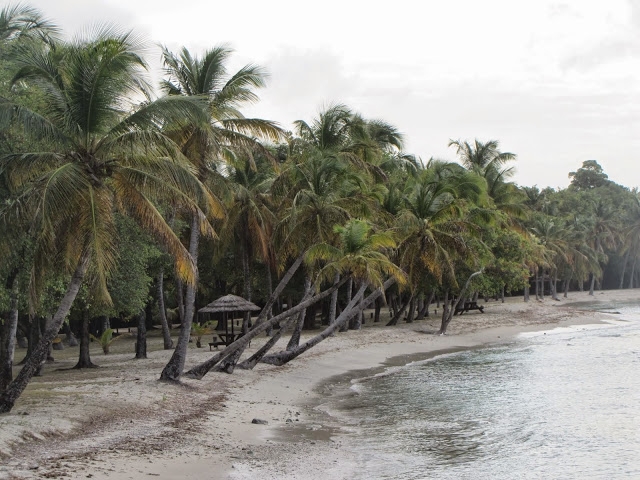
(216, 343)
(469, 306)
(225, 339)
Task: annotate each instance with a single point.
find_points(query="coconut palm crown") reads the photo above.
(96, 152)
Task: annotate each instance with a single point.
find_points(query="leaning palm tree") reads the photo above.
(94, 153)
(224, 135)
(361, 253)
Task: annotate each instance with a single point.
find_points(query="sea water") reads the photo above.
(551, 405)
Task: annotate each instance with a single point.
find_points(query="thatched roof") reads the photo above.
(230, 303)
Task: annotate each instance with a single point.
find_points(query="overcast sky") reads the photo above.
(556, 82)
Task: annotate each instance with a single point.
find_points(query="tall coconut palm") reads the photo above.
(226, 133)
(94, 153)
(432, 222)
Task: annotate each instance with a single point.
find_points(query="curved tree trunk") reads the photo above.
(229, 362)
(633, 272)
(254, 359)
(353, 308)
(398, 313)
(297, 330)
(173, 370)
(202, 369)
(449, 312)
(166, 333)
(345, 325)
(39, 353)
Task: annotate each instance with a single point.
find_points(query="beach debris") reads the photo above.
(258, 421)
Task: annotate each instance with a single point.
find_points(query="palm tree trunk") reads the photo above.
(166, 333)
(22, 339)
(624, 268)
(345, 326)
(246, 275)
(202, 369)
(334, 301)
(553, 284)
(104, 323)
(358, 318)
(350, 310)
(633, 272)
(84, 358)
(173, 370)
(537, 281)
(378, 307)
(254, 359)
(396, 317)
(180, 299)
(294, 341)
(412, 309)
(141, 337)
(355, 305)
(591, 284)
(39, 353)
(566, 286)
(32, 338)
(228, 364)
(428, 303)
(446, 317)
(8, 337)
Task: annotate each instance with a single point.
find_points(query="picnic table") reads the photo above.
(460, 309)
(225, 338)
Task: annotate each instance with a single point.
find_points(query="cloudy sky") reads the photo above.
(556, 82)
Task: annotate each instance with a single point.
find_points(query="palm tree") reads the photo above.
(361, 255)
(483, 157)
(432, 223)
(22, 22)
(95, 153)
(225, 134)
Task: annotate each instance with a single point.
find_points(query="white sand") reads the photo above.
(119, 422)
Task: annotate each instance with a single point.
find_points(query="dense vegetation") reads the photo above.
(121, 207)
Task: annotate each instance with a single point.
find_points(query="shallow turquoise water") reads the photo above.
(560, 404)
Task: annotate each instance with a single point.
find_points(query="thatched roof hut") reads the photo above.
(230, 303)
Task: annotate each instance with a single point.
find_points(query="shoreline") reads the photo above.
(138, 426)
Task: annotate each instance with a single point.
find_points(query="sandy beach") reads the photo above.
(119, 422)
